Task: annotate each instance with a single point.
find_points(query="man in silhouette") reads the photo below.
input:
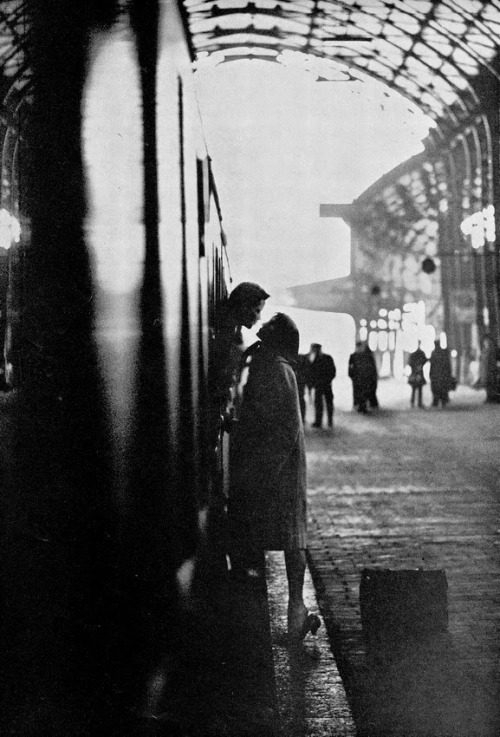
(416, 362)
(322, 372)
(440, 375)
(361, 368)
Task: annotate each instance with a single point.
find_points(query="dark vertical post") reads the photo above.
(492, 254)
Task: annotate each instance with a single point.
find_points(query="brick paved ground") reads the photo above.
(311, 698)
(400, 488)
(408, 488)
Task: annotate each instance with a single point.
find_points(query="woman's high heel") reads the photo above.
(310, 623)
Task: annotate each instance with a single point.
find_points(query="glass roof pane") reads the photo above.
(407, 22)
(448, 96)
(465, 61)
(396, 36)
(470, 6)
(393, 55)
(487, 46)
(380, 70)
(442, 85)
(437, 41)
(409, 85)
(333, 13)
(491, 16)
(480, 51)
(420, 6)
(375, 7)
(451, 22)
(427, 99)
(366, 23)
(428, 55)
(417, 68)
(461, 82)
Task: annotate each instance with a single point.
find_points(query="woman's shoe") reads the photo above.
(307, 623)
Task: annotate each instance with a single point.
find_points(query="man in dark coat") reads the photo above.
(361, 367)
(440, 375)
(322, 372)
(416, 362)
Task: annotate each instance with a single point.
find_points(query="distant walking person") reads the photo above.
(361, 369)
(440, 375)
(416, 362)
(322, 372)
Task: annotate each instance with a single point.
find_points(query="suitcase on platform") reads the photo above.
(400, 608)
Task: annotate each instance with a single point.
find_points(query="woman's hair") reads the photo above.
(282, 335)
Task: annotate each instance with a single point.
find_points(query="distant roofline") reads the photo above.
(387, 179)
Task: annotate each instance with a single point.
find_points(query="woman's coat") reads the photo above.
(267, 501)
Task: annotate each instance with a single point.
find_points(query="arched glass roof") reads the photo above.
(433, 52)
(438, 53)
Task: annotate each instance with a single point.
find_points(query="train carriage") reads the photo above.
(116, 450)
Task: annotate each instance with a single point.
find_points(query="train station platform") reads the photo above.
(404, 488)
(399, 488)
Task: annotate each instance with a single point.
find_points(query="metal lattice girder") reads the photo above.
(432, 52)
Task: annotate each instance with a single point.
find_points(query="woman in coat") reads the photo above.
(267, 500)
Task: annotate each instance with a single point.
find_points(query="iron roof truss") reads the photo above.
(432, 51)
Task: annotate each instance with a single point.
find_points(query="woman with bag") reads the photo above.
(267, 498)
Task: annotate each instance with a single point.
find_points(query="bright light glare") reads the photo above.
(10, 229)
(112, 136)
(480, 226)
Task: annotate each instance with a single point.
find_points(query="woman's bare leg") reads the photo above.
(300, 622)
(295, 561)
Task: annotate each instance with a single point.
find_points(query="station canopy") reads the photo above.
(434, 53)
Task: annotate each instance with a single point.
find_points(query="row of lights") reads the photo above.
(398, 332)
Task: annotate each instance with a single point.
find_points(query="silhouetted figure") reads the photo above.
(267, 498)
(241, 309)
(360, 370)
(416, 362)
(322, 372)
(372, 380)
(440, 375)
(490, 357)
